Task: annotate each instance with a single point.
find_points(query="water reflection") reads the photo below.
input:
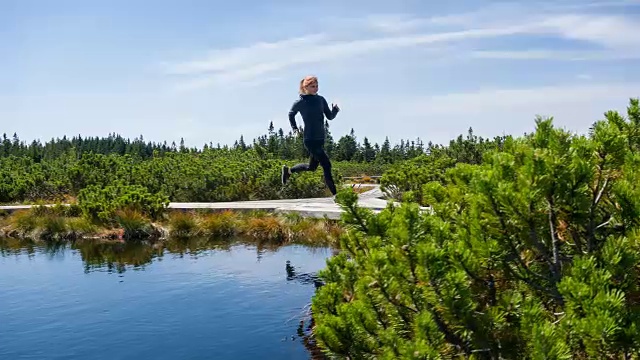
(230, 275)
(118, 256)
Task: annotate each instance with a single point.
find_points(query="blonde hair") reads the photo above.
(306, 81)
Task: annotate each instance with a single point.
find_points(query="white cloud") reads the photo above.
(614, 32)
(250, 63)
(234, 58)
(394, 23)
(558, 55)
(512, 110)
(610, 35)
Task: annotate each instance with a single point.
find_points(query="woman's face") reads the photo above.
(312, 88)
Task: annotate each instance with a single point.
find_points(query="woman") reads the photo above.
(313, 108)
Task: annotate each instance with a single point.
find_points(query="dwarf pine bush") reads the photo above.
(532, 254)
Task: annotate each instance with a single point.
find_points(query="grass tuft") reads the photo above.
(220, 224)
(183, 224)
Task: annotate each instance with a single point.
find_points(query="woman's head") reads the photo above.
(309, 85)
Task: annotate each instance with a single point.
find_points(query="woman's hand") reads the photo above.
(334, 107)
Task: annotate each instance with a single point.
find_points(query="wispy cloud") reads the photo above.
(527, 101)
(511, 110)
(245, 64)
(609, 35)
(612, 32)
(556, 55)
(234, 58)
(394, 23)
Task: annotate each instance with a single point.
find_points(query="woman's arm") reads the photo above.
(329, 113)
(292, 115)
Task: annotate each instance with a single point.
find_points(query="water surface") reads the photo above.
(183, 300)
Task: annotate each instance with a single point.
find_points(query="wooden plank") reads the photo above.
(309, 207)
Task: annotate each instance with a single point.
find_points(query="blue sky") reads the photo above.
(210, 71)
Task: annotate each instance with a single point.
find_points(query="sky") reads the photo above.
(210, 71)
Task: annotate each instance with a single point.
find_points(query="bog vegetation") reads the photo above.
(532, 251)
(531, 248)
(123, 185)
(102, 173)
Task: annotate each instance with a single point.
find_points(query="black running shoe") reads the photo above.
(285, 174)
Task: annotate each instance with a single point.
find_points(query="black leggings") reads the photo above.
(318, 157)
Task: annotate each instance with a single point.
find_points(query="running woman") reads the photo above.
(313, 108)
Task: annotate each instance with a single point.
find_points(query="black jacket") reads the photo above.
(313, 109)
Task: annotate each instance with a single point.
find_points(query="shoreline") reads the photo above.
(255, 225)
(281, 221)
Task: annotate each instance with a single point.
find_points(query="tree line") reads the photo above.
(275, 143)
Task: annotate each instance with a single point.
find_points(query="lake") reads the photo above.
(183, 299)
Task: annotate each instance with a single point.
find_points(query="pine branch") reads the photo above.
(539, 245)
(398, 304)
(467, 271)
(597, 199)
(379, 315)
(353, 210)
(371, 332)
(533, 234)
(557, 267)
(515, 255)
(597, 195)
(553, 292)
(414, 278)
(577, 239)
(605, 223)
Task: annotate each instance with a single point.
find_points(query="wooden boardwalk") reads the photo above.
(310, 207)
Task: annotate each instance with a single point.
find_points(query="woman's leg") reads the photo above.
(318, 157)
(318, 153)
(311, 166)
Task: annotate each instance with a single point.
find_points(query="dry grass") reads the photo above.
(135, 225)
(258, 226)
(363, 179)
(220, 224)
(255, 226)
(53, 226)
(23, 220)
(183, 224)
(45, 224)
(268, 229)
(81, 226)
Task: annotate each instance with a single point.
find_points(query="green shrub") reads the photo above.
(408, 177)
(102, 203)
(532, 254)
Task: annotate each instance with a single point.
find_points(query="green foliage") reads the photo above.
(102, 203)
(532, 253)
(23, 179)
(60, 169)
(408, 177)
(405, 180)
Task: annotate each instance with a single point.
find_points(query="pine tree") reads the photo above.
(368, 153)
(532, 254)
